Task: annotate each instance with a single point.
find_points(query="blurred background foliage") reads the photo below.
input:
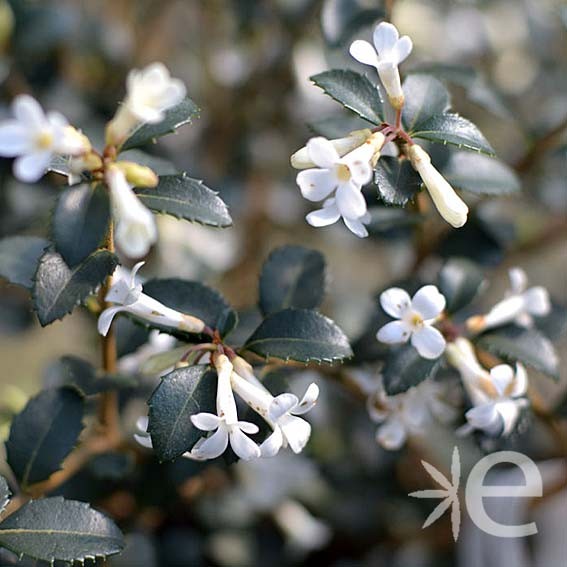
(246, 64)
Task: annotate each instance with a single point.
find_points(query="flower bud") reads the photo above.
(301, 160)
(450, 206)
(138, 175)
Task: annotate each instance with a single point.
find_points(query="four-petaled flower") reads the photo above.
(388, 52)
(341, 177)
(225, 423)
(34, 137)
(128, 297)
(416, 317)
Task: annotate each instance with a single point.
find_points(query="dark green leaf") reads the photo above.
(19, 256)
(111, 466)
(460, 280)
(397, 180)
(529, 346)
(4, 494)
(480, 174)
(341, 19)
(336, 125)
(193, 298)
(80, 222)
(175, 117)
(354, 91)
(425, 97)
(186, 198)
(58, 288)
(404, 368)
(292, 276)
(385, 219)
(44, 433)
(553, 325)
(301, 335)
(55, 529)
(455, 130)
(180, 394)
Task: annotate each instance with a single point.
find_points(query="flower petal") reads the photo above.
(144, 441)
(350, 201)
(205, 421)
(308, 401)
(356, 227)
(30, 168)
(296, 431)
(429, 302)
(329, 214)
(363, 52)
(392, 435)
(395, 302)
(106, 317)
(428, 342)
(272, 444)
(520, 385)
(402, 49)
(395, 332)
(211, 447)
(142, 424)
(14, 139)
(281, 405)
(322, 152)
(28, 112)
(501, 377)
(385, 37)
(537, 302)
(316, 184)
(518, 280)
(243, 446)
(485, 417)
(247, 427)
(359, 166)
(509, 411)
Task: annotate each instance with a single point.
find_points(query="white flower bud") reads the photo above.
(138, 175)
(450, 206)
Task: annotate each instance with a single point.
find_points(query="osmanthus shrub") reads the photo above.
(183, 332)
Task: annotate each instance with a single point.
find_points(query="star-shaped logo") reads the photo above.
(449, 494)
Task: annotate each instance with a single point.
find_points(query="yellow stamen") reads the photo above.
(343, 172)
(44, 140)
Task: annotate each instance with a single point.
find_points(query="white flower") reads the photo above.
(497, 396)
(388, 52)
(128, 297)
(343, 177)
(34, 137)
(150, 92)
(136, 229)
(301, 160)
(225, 423)
(416, 317)
(520, 305)
(450, 206)
(280, 412)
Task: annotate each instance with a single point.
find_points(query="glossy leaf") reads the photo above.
(354, 91)
(454, 130)
(58, 289)
(396, 180)
(19, 256)
(460, 280)
(186, 198)
(175, 117)
(301, 335)
(80, 222)
(55, 529)
(292, 276)
(404, 368)
(480, 174)
(529, 346)
(5, 494)
(193, 298)
(44, 433)
(180, 394)
(425, 97)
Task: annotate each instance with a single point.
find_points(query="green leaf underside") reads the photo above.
(425, 97)
(175, 117)
(44, 433)
(4, 494)
(404, 368)
(80, 222)
(529, 346)
(186, 198)
(292, 276)
(454, 130)
(397, 181)
(19, 256)
(301, 335)
(193, 298)
(354, 91)
(460, 281)
(181, 393)
(55, 529)
(58, 289)
(480, 174)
